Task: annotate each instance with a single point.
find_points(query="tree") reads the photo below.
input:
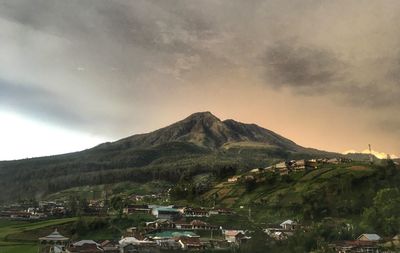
(73, 205)
(250, 183)
(117, 203)
(382, 216)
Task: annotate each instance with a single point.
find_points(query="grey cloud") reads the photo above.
(140, 23)
(313, 71)
(372, 96)
(292, 65)
(38, 103)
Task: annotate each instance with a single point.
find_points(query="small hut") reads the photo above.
(48, 244)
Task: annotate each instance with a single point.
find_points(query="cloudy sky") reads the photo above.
(74, 73)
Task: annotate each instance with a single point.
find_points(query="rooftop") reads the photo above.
(370, 237)
(172, 234)
(55, 236)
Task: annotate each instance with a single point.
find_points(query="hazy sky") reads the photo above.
(74, 73)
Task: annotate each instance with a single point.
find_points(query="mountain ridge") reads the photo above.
(207, 130)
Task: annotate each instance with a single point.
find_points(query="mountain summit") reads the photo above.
(206, 130)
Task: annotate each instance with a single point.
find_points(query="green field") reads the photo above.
(25, 245)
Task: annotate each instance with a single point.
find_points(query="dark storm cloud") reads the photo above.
(38, 103)
(292, 65)
(313, 71)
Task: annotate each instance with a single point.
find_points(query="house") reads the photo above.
(333, 161)
(302, 165)
(297, 166)
(110, 246)
(257, 170)
(168, 244)
(282, 168)
(37, 216)
(365, 243)
(280, 235)
(235, 236)
(19, 215)
(139, 248)
(281, 231)
(166, 213)
(233, 179)
(220, 211)
(195, 212)
(369, 237)
(195, 225)
(133, 245)
(165, 235)
(136, 209)
(289, 225)
(201, 225)
(395, 242)
(270, 169)
(85, 246)
(160, 224)
(132, 230)
(355, 247)
(312, 164)
(183, 225)
(190, 243)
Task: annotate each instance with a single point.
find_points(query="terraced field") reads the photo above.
(274, 195)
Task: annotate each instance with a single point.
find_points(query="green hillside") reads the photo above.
(343, 190)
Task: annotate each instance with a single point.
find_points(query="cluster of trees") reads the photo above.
(84, 226)
(383, 216)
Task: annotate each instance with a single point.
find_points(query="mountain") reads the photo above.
(205, 130)
(200, 143)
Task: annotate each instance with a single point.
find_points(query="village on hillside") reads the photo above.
(184, 227)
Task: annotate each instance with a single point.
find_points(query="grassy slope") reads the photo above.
(289, 192)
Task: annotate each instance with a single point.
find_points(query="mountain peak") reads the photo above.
(206, 130)
(203, 115)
